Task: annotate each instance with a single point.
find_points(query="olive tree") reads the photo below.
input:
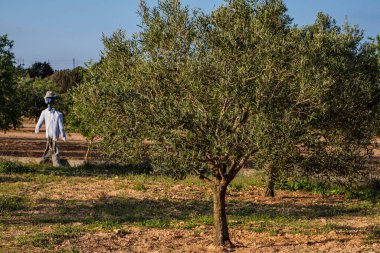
(40, 70)
(195, 91)
(334, 144)
(9, 112)
(99, 104)
(338, 137)
(203, 94)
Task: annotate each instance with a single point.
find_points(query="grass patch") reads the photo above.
(374, 236)
(12, 203)
(107, 225)
(199, 220)
(155, 223)
(272, 225)
(315, 187)
(139, 187)
(245, 183)
(71, 250)
(46, 240)
(237, 186)
(281, 224)
(371, 193)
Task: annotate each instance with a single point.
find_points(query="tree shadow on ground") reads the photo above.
(85, 170)
(160, 213)
(293, 210)
(272, 246)
(12, 179)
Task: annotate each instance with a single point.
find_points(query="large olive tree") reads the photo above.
(194, 91)
(204, 94)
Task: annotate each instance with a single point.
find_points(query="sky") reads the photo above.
(59, 31)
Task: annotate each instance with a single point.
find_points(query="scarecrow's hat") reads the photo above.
(50, 94)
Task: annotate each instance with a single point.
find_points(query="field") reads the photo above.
(43, 209)
(24, 142)
(111, 209)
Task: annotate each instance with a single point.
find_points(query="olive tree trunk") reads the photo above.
(269, 192)
(88, 149)
(221, 235)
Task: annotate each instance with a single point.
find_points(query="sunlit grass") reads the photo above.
(118, 201)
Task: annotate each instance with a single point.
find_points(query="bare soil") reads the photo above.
(23, 142)
(149, 214)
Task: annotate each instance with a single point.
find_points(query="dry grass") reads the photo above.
(67, 210)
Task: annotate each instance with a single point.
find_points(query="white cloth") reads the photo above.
(54, 124)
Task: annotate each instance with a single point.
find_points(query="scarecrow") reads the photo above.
(54, 127)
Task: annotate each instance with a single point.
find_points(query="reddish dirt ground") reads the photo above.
(320, 224)
(23, 142)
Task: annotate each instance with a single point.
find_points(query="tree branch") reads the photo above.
(226, 104)
(236, 166)
(203, 177)
(217, 167)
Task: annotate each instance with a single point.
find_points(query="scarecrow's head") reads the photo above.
(50, 97)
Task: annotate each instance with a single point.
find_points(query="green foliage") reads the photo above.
(338, 137)
(236, 186)
(215, 114)
(40, 70)
(139, 187)
(193, 92)
(367, 193)
(219, 95)
(343, 112)
(9, 112)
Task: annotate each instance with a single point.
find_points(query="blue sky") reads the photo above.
(60, 30)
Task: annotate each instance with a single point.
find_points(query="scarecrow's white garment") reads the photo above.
(54, 124)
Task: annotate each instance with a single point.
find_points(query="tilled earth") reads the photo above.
(23, 142)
